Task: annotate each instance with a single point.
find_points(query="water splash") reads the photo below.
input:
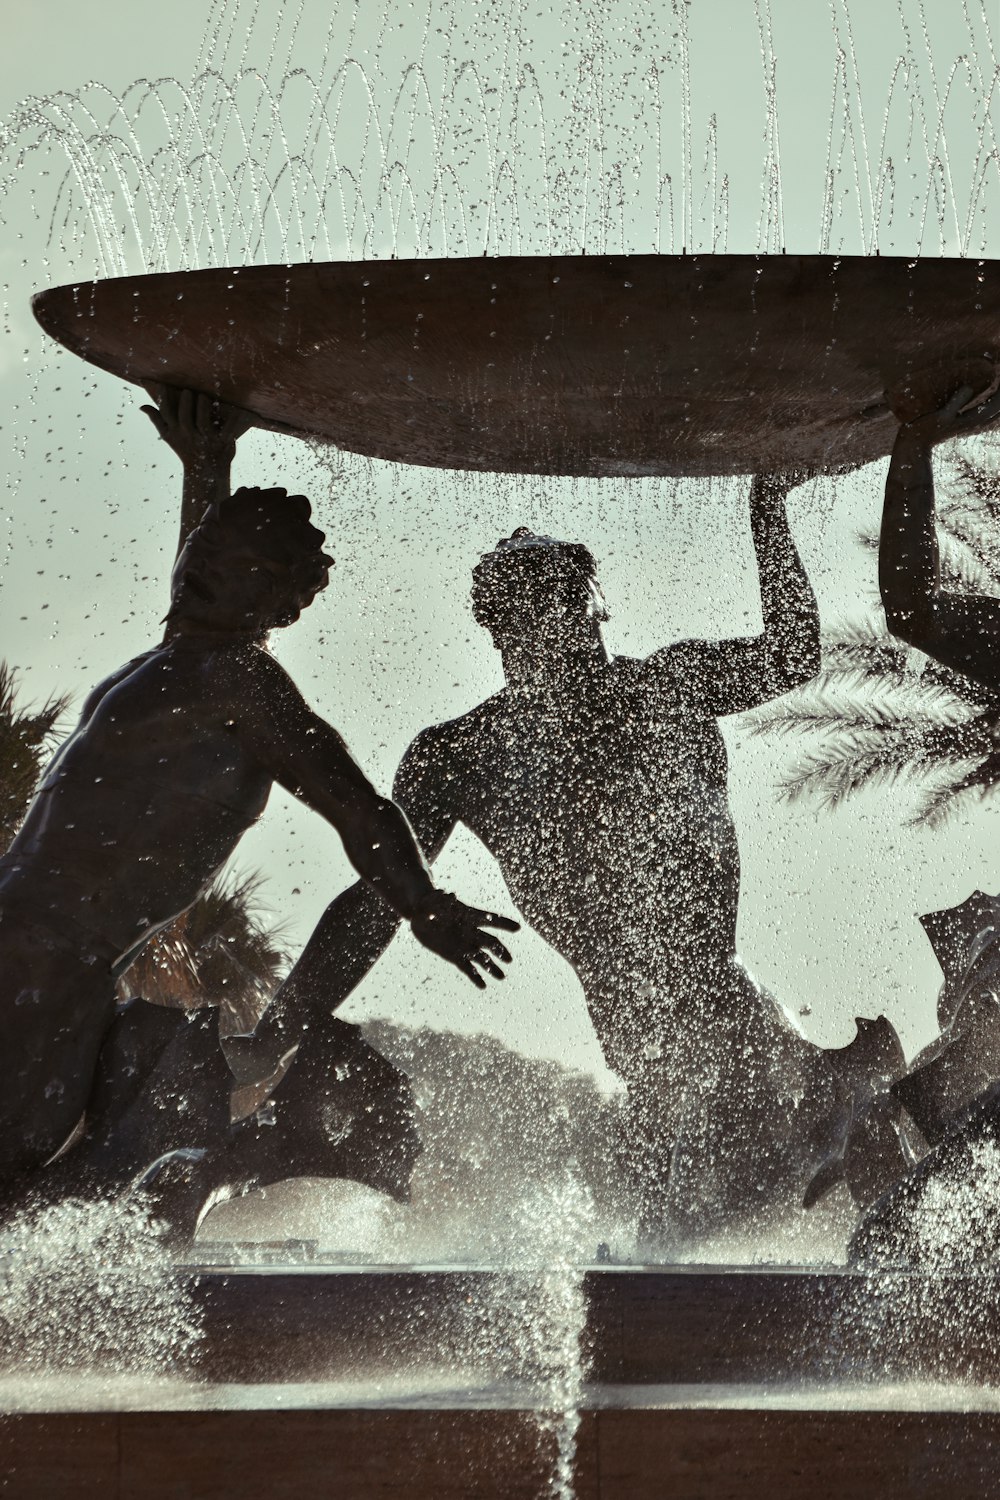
(938, 1316)
(89, 1286)
(502, 1134)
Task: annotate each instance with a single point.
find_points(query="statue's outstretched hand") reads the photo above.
(202, 430)
(966, 411)
(453, 931)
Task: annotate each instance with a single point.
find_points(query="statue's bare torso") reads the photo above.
(167, 769)
(171, 763)
(606, 810)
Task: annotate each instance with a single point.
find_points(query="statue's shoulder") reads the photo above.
(463, 732)
(666, 680)
(253, 666)
(124, 683)
(242, 678)
(627, 670)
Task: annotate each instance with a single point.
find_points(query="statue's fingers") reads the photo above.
(206, 409)
(491, 919)
(235, 420)
(155, 416)
(484, 961)
(954, 404)
(471, 973)
(487, 940)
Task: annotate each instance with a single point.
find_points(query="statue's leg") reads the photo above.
(858, 1142)
(936, 1091)
(139, 1035)
(136, 1040)
(340, 1110)
(57, 1008)
(158, 1140)
(630, 1029)
(182, 1103)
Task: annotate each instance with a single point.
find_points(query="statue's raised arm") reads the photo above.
(731, 676)
(203, 431)
(960, 631)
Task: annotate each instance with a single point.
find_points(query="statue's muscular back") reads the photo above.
(150, 794)
(606, 809)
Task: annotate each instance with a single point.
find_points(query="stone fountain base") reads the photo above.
(672, 1449)
(360, 1382)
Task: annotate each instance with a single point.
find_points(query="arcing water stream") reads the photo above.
(512, 131)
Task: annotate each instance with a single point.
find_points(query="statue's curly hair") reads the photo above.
(527, 560)
(250, 531)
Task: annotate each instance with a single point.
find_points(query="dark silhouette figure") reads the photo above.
(172, 761)
(600, 786)
(950, 1094)
(159, 1120)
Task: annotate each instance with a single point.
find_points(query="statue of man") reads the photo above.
(172, 761)
(951, 1097)
(599, 784)
(961, 631)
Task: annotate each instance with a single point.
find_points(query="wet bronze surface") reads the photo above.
(590, 365)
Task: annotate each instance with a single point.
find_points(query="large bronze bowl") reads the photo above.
(589, 365)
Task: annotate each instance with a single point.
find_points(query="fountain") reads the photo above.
(681, 1361)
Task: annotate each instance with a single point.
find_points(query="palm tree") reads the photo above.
(26, 740)
(220, 951)
(879, 712)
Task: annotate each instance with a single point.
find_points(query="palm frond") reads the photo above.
(942, 800)
(845, 766)
(966, 568)
(906, 748)
(834, 700)
(27, 738)
(981, 481)
(220, 951)
(863, 648)
(819, 717)
(967, 542)
(881, 713)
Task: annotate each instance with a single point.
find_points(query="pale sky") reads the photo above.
(631, 94)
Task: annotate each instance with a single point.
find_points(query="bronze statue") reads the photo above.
(172, 761)
(600, 786)
(951, 1094)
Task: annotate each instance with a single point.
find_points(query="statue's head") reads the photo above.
(535, 586)
(253, 562)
